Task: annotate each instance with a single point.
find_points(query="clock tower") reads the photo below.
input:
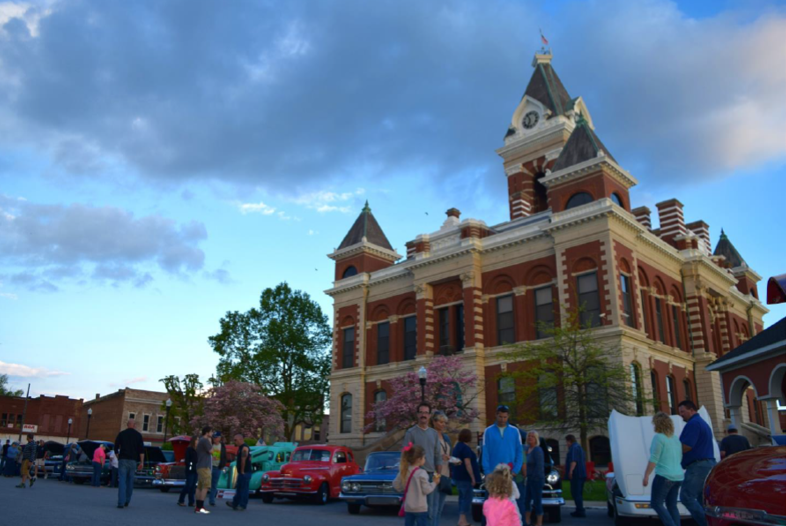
(541, 125)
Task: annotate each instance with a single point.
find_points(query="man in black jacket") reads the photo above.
(130, 449)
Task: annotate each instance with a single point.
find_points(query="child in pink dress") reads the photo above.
(498, 509)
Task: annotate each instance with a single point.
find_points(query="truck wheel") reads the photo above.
(323, 494)
(619, 521)
(165, 489)
(555, 514)
(267, 498)
(353, 509)
(477, 513)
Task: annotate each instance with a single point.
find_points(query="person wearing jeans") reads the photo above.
(243, 467)
(465, 475)
(665, 458)
(698, 458)
(576, 473)
(219, 461)
(125, 482)
(191, 475)
(99, 457)
(130, 449)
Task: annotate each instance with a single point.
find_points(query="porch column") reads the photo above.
(772, 414)
(735, 411)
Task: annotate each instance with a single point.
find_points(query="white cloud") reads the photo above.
(313, 232)
(130, 381)
(9, 296)
(256, 208)
(325, 201)
(25, 371)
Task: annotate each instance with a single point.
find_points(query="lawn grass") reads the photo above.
(593, 490)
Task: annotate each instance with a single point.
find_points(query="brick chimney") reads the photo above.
(642, 215)
(672, 222)
(702, 231)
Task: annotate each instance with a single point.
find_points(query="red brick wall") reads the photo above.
(362, 262)
(597, 184)
(49, 413)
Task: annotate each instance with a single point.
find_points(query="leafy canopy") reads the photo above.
(281, 346)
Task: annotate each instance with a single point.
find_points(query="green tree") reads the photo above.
(5, 390)
(569, 380)
(282, 346)
(187, 401)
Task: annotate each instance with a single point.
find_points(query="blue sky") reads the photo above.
(163, 162)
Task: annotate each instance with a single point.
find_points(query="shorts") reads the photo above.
(25, 467)
(39, 462)
(204, 478)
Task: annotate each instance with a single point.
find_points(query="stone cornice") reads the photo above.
(584, 168)
(697, 256)
(360, 280)
(365, 246)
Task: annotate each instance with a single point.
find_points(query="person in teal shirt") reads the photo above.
(665, 459)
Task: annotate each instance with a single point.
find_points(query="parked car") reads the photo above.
(263, 459)
(748, 488)
(314, 471)
(54, 461)
(169, 455)
(630, 438)
(552, 488)
(153, 457)
(81, 470)
(374, 486)
(168, 475)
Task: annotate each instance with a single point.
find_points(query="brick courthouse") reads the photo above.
(659, 295)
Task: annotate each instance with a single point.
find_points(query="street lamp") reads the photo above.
(68, 438)
(89, 416)
(422, 376)
(166, 418)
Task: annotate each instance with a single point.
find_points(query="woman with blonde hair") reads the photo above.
(665, 459)
(536, 478)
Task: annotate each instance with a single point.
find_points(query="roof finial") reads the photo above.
(366, 208)
(723, 234)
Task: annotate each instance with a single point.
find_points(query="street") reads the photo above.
(65, 504)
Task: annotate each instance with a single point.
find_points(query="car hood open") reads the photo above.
(630, 438)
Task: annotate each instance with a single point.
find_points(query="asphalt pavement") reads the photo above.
(50, 502)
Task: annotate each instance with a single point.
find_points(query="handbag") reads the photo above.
(445, 485)
(401, 511)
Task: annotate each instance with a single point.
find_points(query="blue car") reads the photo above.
(373, 487)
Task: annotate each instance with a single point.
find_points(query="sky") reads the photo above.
(162, 162)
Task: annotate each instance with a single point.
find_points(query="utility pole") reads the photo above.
(24, 413)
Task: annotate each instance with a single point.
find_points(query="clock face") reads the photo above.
(530, 119)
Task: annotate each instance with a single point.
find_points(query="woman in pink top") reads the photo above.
(99, 457)
(498, 509)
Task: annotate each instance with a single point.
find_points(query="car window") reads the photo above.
(270, 455)
(340, 458)
(280, 457)
(314, 455)
(289, 455)
(382, 461)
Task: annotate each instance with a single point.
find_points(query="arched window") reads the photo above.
(350, 271)
(655, 390)
(688, 390)
(346, 413)
(616, 199)
(600, 450)
(671, 395)
(379, 397)
(581, 198)
(635, 387)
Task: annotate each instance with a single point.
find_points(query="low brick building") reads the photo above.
(112, 411)
(48, 416)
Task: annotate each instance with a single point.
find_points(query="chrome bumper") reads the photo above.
(169, 482)
(371, 500)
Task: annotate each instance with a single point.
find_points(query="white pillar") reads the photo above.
(736, 415)
(772, 414)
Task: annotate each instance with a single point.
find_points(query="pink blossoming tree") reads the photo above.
(449, 388)
(240, 407)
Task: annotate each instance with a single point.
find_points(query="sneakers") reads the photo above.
(32, 481)
(120, 506)
(202, 511)
(22, 485)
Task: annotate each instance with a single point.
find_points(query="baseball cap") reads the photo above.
(217, 434)
(732, 427)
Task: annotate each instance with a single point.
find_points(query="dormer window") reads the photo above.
(349, 272)
(581, 198)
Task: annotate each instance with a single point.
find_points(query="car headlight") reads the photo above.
(346, 487)
(265, 478)
(552, 478)
(307, 479)
(356, 488)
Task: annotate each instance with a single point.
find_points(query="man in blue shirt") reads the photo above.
(502, 445)
(576, 473)
(698, 458)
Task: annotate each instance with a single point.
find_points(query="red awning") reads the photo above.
(776, 289)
